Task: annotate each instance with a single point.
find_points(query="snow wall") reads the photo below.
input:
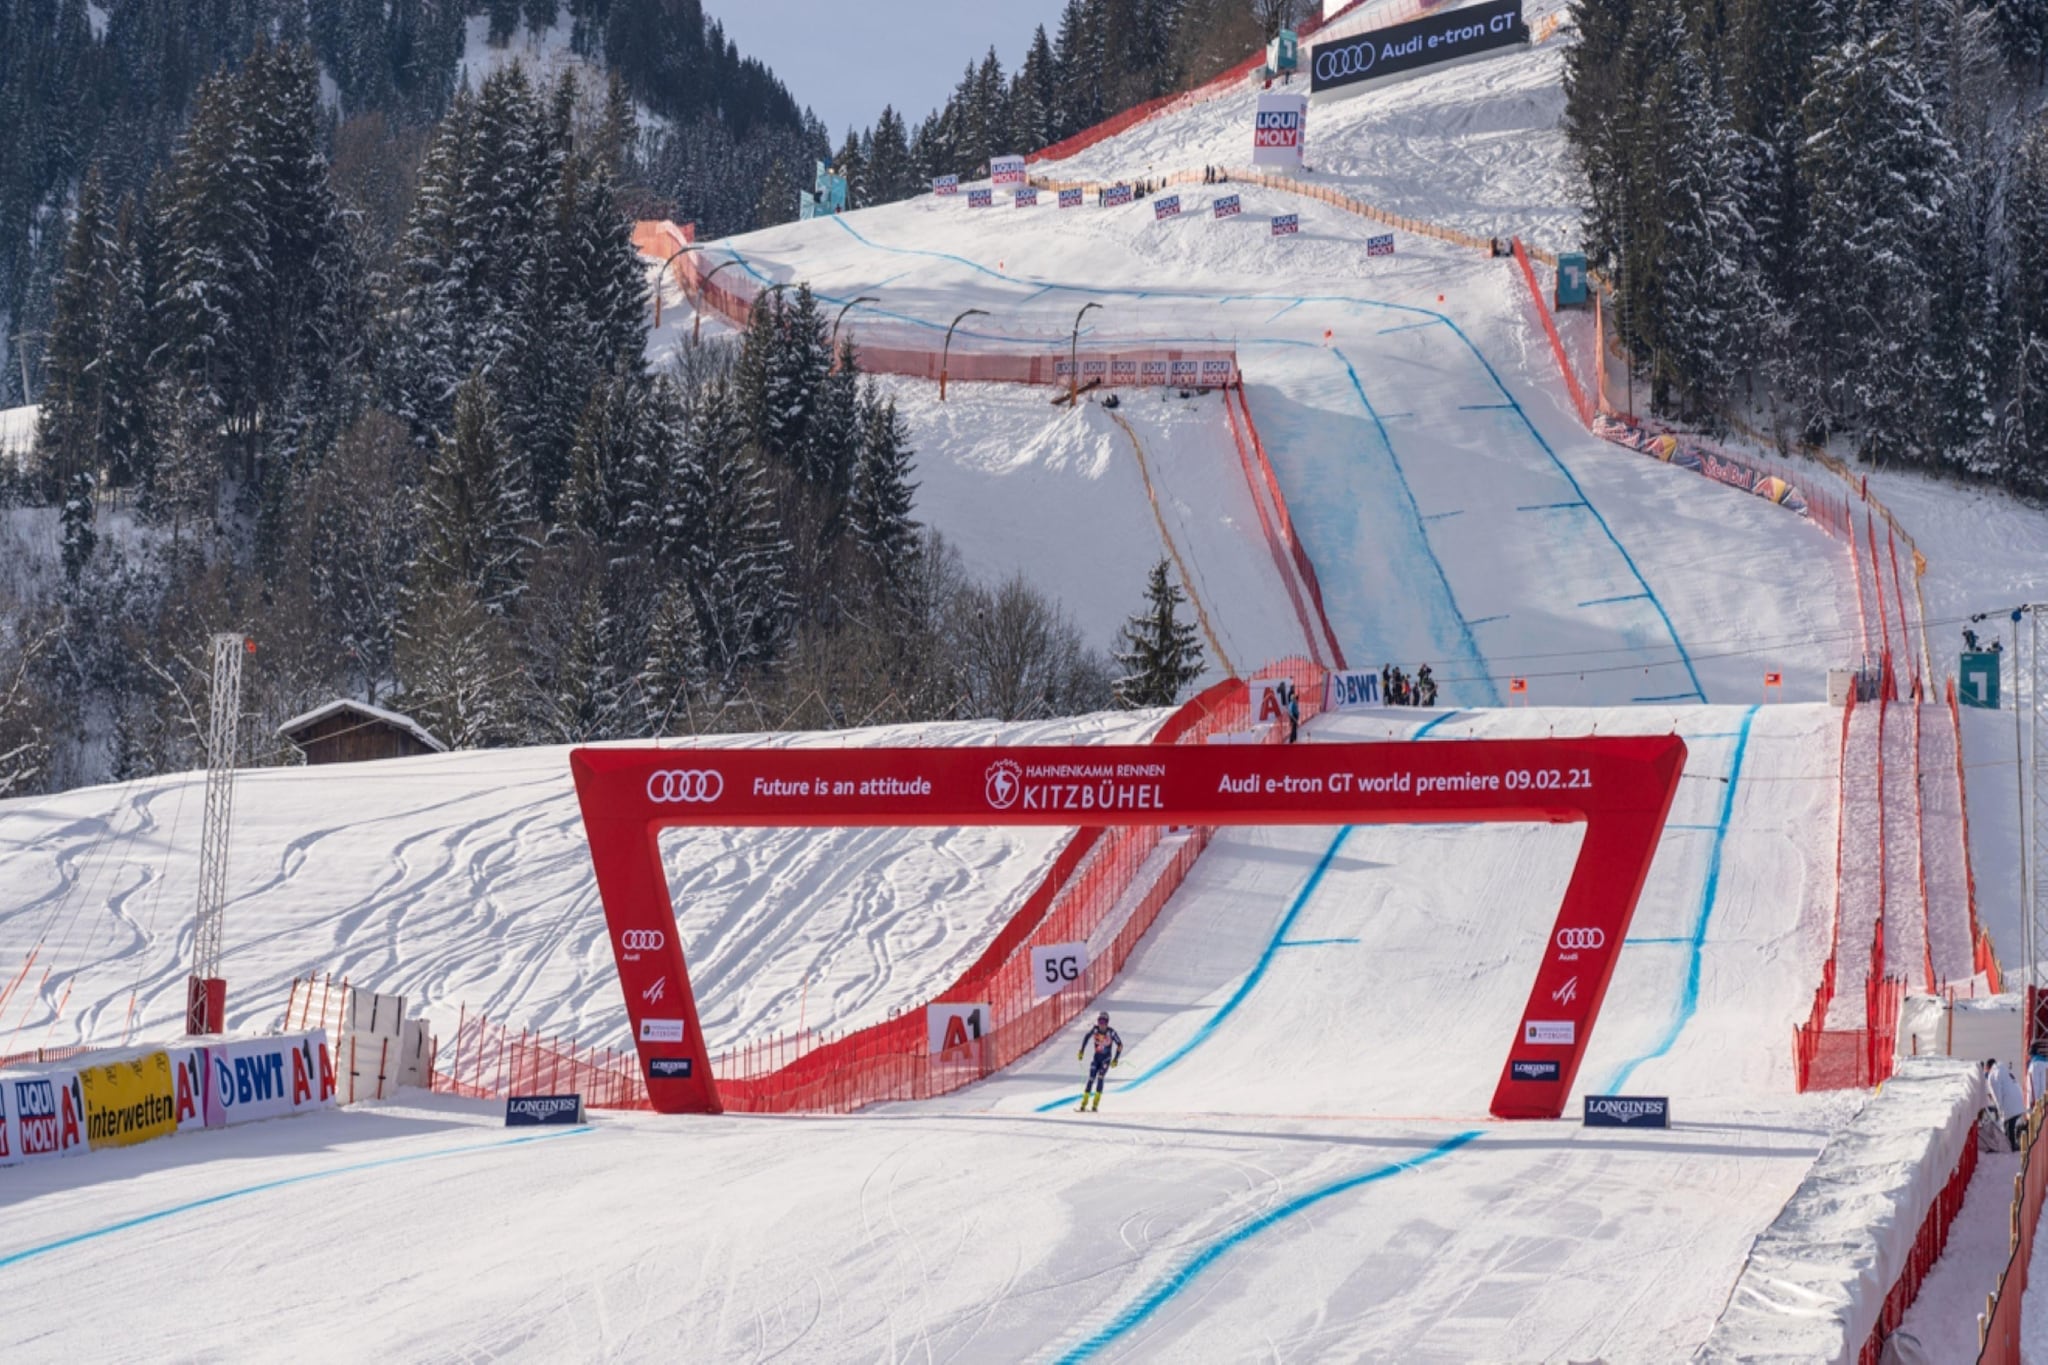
(1862, 1227)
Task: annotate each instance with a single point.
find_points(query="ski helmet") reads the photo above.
(1102, 1018)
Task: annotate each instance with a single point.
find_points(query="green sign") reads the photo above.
(1978, 683)
(1571, 279)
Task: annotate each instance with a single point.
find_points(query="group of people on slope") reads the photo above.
(1401, 690)
(2004, 1112)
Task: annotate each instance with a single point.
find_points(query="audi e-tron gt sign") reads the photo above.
(1386, 52)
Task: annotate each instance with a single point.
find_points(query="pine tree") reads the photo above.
(2023, 425)
(1878, 177)
(671, 680)
(75, 398)
(455, 660)
(1160, 655)
(878, 511)
(476, 521)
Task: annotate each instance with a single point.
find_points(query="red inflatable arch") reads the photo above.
(1621, 788)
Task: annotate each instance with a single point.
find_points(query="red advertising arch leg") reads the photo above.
(1621, 788)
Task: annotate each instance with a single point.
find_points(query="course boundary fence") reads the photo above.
(1928, 1243)
(1998, 1326)
(1281, 538)
(1983, 952)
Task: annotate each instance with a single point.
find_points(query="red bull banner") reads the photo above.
(1619, 788)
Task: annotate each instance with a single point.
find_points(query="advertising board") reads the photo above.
(1384, 52)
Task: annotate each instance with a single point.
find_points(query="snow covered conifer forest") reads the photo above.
(1831, 213)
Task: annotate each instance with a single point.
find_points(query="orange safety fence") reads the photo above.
(1983, 953)
(1564, 364)
(1092, 880)
(1280, 539)
(1998, 1326)
(1927, 1247)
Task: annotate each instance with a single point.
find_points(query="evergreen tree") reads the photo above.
(2023, 428)
(75, 397)
(456, 660)
(671, 680)
(1160, 654)
(878, 513)
(474, 512)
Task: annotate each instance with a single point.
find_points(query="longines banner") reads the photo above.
(1386, 52)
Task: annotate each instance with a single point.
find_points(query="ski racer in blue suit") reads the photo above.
(1109, 1050)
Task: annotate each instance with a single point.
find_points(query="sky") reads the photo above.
(848, 58)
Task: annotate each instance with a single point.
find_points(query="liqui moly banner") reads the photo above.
(1026, 198)
(1286, 224)
(1112, 195)
(945, 184)
(45, 1116)
(1071, 199)
(1006, 170)
(1167, 206)
(1227, 206)
(1380, 246)
(980, 199)
(1280, 133)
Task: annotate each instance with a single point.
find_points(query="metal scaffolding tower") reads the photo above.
(206, 998)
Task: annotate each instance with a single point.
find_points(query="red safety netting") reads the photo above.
(1927, 1246)
(1106, 882)
(904, 348)
(1983, 954)
(1580, 402)
(1278, 528)
(1998, 1331)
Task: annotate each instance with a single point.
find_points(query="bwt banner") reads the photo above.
(1227, 206)
(1006, 170)
(1380, 246)
(1026, 198)
(945, 184)
(1349, 691)
(129, 1102)
(1280, 130)
(1071, 199)
(1167, 207)
(980, 199)
(267, 1078)
(1112, 195)
(1468, 32)
(1286, 224)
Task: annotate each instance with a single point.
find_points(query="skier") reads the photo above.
(1293, 712)
(1109, 1050)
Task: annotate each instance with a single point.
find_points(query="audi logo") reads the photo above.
(642, 940)
(1355, 60)
(1581, 938)
(697, 785)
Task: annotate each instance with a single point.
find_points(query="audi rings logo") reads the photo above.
(1354, 60)
(1004, 782)
(643, 941)
(1572, 939)
(697, 785)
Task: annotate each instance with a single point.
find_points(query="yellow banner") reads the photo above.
(129, 1102)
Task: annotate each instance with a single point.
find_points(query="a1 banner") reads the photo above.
(953, 1033)
(1057, 967)
(1112, 195)
(1026, 198)
(1380, 246)
(1280, 135)
(196, 1104)
(1269, 701)
(1349, 691)
(1071, 199)
(1006, 170)
(267, 1078)
(1167, 207)
(1628, 1111)
(945, 184)
(980, 199)
(1286, 224)
(1227, 206)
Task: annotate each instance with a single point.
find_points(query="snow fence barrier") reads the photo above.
(903, 347)
(1834, 1273)
(1278, 528)
(1998, 1326)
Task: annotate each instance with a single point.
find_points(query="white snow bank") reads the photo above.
(18, 432)
(1817, 1278)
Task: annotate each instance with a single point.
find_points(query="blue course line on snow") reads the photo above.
(1433, 724)
(141, 1220)
(1314, 942)
(1551, 506)
(1432, 315)
(1483, 620)
(1609, 601)
(1410, 326)
(1689, 998)
(1415, 511)
(1629, 941)
(1673, 696)
(1244, 987)
(1485, 407)
(1708, 828)
(1161, 1293)
(1440, 516)
(1288, 309)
